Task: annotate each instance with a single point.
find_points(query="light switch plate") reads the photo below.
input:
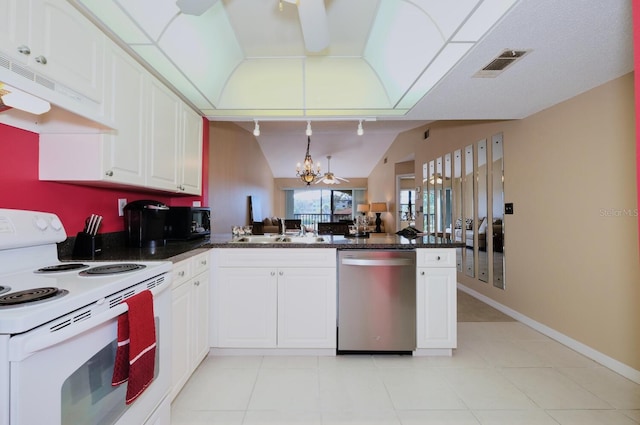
(121, 203)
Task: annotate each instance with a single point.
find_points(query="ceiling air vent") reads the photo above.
(500, 63)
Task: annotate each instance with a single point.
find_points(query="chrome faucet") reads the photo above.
(303, 230)
(283, 227)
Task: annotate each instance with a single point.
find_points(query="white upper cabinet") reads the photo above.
(157, 143)
(191, 161)
(54, 40)
(14, 34)
(125, 150)
(164, 138)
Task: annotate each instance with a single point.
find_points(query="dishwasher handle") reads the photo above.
(377, 262)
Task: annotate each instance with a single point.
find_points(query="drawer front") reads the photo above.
(200, 263)
(436, 257)
(276, 257)
(181, 273)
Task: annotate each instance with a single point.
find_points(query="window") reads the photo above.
(407, 208)
(320, 205)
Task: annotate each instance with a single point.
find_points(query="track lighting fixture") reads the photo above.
(256, 129)
(360, 129)
(309, 132)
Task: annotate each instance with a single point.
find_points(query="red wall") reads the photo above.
(21, 189)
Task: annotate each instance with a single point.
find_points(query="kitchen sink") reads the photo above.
(273, 239)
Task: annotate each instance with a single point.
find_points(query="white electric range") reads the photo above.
(58, 329)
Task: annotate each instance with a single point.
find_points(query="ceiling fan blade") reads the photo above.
(194, 7)
(314, 24)
(343, 179)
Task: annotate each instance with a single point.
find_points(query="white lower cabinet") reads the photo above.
(190, 318)
(436, 301)
(274, 298)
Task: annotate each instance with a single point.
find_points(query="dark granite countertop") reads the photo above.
(114, 249)
(378, 241)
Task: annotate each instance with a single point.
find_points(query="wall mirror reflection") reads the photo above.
(447, 200)
(497, 173)
(480, 225)
(467, 219)
(456, 183)
(429, 198)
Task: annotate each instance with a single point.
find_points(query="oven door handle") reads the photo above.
(38, 343)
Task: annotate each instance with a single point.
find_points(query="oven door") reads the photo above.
(64, 377)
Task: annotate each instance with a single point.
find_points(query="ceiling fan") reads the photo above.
(312, 14)
(329, 177)
(313, 21)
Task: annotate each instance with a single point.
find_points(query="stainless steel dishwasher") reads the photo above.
(376, 301)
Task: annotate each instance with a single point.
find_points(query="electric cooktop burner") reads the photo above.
(65, 267)
(112, 269)
(30, 295)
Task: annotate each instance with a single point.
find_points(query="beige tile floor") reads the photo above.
(503, 373)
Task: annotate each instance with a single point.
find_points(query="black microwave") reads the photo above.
(187, 222)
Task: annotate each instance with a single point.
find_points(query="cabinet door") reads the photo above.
(200, 294)
(191, 158)
(14, 29)
(181, 329)
(162, 167)
(124, 159)
(307, 308)
(436, 307)
(247, 311)
(67, 47)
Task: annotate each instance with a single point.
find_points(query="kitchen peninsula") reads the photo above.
(278, 295)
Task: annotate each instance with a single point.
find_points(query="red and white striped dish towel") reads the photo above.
(136, 353)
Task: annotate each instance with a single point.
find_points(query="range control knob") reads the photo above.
(41, 223)
(56, 224)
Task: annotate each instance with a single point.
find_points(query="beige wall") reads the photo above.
(237, 169)
(382, 180)
(571, 246)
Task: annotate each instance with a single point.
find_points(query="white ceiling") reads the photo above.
(575, 46)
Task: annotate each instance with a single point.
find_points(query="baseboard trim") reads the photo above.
(609, 362)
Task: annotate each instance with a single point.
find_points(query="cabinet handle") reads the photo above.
(438, 258)
(281, 273)
(109, 173)
(181, 273)
(203, 262)
(422, 273)
(25, 50)
(197, 283)
(41, 60)
(273, 273)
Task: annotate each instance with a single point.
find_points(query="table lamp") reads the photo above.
(363, 208)
(378, 208)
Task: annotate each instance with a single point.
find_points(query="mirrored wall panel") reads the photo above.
(497, 183)
(480, 224)
(447, 196)
(467, 223)
(463, 200)
(429, 198)
(458, 227)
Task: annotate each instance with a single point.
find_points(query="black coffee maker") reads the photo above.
(144, 222)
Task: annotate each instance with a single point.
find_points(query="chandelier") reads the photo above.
(306, 172)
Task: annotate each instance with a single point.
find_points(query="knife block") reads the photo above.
(86, 246)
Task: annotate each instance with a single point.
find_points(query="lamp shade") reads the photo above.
(363, 208)
(378, 207)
